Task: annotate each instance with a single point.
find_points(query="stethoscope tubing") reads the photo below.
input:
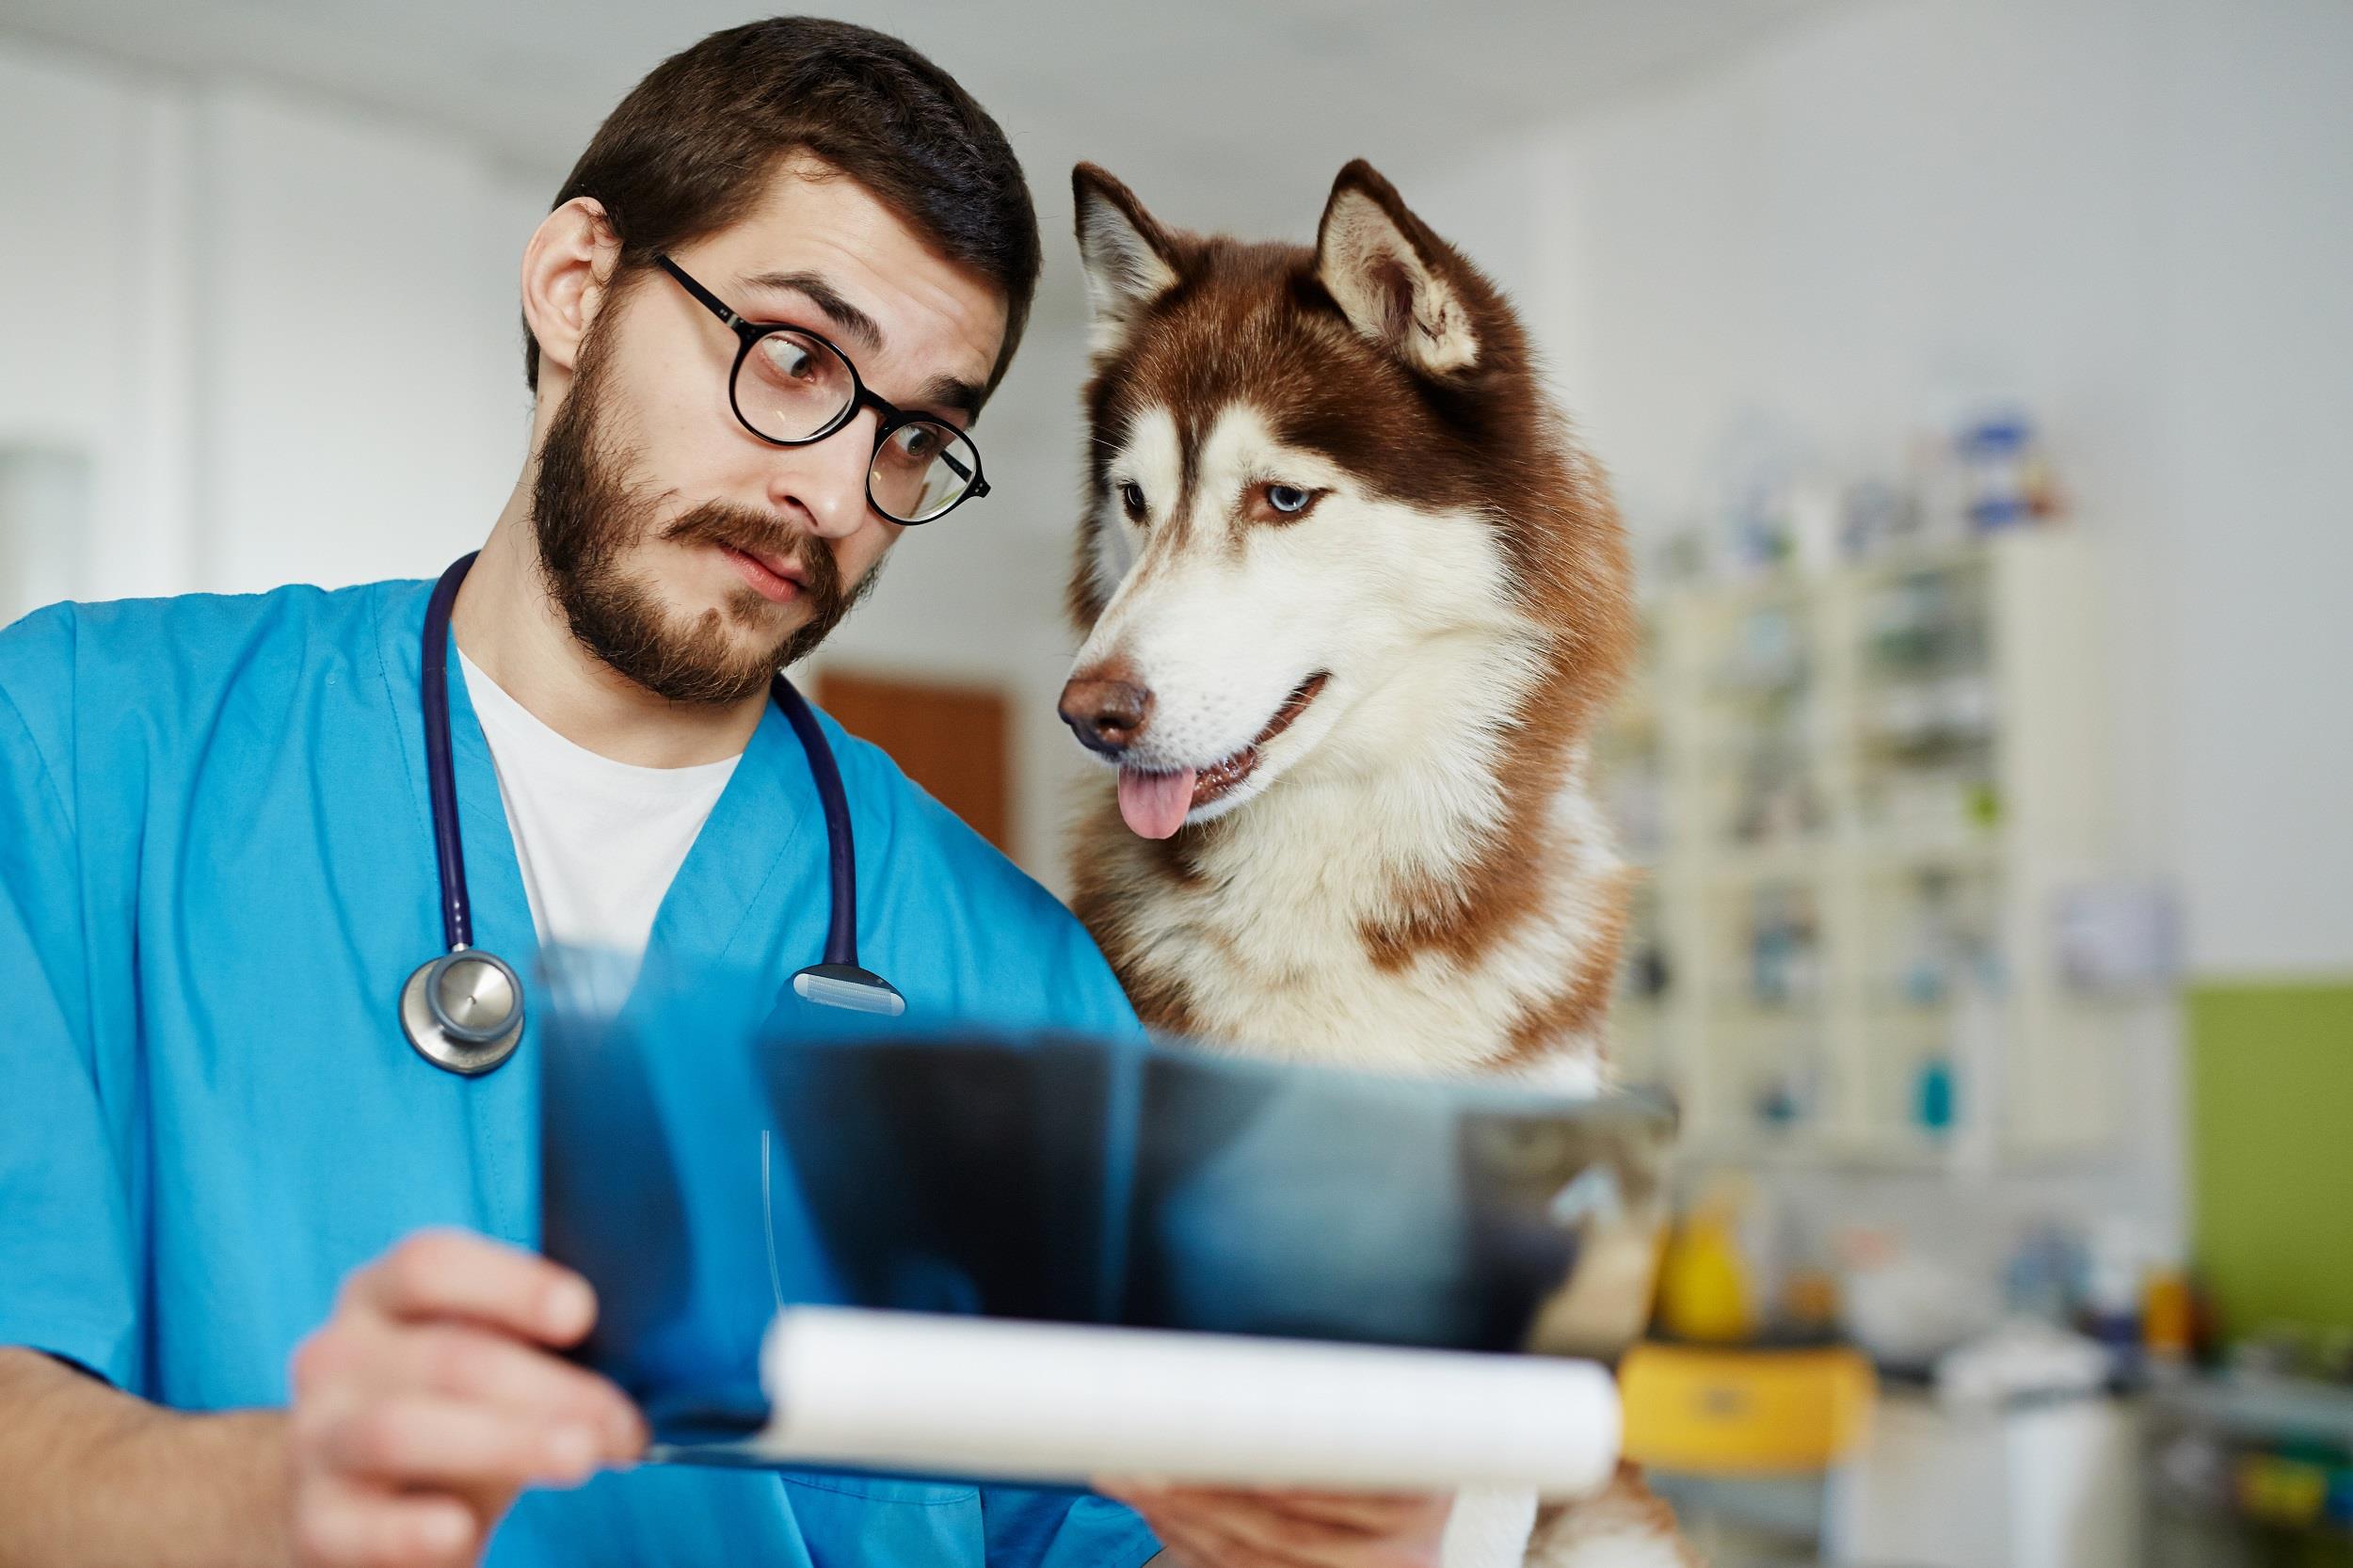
(474, 1047)
(841, 848)
(440, 773)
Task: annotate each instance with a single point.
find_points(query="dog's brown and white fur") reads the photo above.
(1352, 599)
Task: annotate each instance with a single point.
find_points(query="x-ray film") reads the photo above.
(714, 1158)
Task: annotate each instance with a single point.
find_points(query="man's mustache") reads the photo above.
(739, 529)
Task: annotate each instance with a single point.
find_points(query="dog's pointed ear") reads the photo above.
(1396, 282)
(1128, 257)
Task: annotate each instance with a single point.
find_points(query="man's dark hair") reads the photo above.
(694, 145)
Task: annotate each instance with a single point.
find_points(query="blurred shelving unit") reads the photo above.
(1857, 793)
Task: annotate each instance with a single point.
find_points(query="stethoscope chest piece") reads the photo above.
(849, 987)
(463, 1010)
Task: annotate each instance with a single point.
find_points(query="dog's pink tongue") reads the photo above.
(1155, 804)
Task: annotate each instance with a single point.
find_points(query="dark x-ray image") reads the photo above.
(708, 1163)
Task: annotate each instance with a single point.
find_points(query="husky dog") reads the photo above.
(1351, 600)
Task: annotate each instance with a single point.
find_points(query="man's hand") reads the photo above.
(1214, 1527)
(431, 1398)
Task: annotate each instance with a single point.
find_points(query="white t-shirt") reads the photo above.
(598, 842)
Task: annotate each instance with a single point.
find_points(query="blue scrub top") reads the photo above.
(217, 872)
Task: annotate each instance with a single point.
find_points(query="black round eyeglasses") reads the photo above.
(791, 387)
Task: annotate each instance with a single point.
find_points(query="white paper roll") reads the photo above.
(925, 1393)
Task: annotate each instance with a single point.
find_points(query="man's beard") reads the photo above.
(588, 515)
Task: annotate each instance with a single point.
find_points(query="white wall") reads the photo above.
(282, 331)
(363, 411)
(2135, 214)
(93, 356)
(2254, 128)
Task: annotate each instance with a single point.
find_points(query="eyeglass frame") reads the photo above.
(862, 397)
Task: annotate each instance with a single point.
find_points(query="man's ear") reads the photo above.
(1128, 257)
(1396, 282)
(568, 264)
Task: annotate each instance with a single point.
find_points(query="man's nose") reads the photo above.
(827, 479)
(1106, 710)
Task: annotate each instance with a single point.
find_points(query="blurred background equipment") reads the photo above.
(1754, 1446)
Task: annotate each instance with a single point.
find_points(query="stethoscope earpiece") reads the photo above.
(463, 1010)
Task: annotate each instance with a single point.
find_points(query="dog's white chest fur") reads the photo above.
(1273, 938)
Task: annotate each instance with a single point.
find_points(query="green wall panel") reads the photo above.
(2271, 1151)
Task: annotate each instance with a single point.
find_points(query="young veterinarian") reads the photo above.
(267, 1186)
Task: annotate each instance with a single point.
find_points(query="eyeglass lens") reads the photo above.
(791, 387)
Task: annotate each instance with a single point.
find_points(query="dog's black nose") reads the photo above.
(1105, 713)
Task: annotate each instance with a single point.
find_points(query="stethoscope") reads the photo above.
(463, 1010)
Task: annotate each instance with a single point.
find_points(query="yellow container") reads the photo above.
(1713, 1410)
(1702, 1286)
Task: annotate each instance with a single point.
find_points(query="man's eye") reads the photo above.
(1131, 500)
(790, 359)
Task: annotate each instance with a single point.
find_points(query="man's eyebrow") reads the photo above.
(822, 293)
(941, 392)
(952, 393)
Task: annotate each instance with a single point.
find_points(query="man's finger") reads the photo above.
(1242, 1530)
(1344, 1512)
(1371, 1511)
(1375, 1513)
(480, 1367)
(1196, 1547)
(338, 1524)
(451, 1273)
(433, 1441)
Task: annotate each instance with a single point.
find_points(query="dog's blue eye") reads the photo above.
(1286, 498)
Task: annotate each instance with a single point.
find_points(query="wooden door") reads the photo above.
(953, 739)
